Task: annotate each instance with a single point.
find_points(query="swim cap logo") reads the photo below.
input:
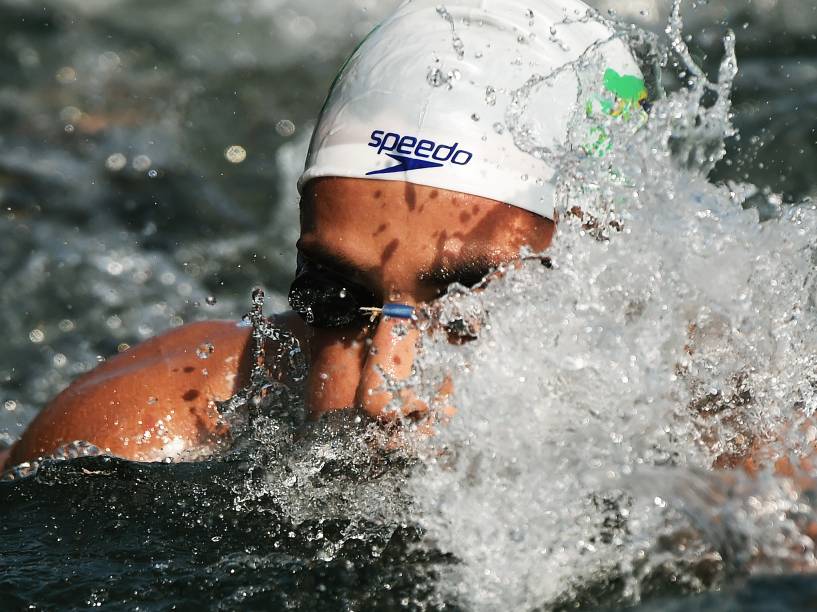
(629, 92)
(412, 153)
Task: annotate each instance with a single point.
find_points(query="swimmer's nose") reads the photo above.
(334, 375)
(390, 352)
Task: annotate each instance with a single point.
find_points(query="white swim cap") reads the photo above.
(426, 97)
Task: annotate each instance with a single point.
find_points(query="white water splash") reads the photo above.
(673, 331)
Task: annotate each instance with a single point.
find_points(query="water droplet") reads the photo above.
(28, 57)
(235, 154)
(153, 173)
(70, 114)
(10, 405)
(36, 336)
(152, 401)
(108, 61)
(475, 117)
(499, 128)
(211, 300)
(205, 350)
(660, 503)
(436, 78)
(459, 47)
(116, 162)
(66, 75)
(285, 128)
(141, 163)
(490, 96)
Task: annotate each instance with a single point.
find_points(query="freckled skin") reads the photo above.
(116, 403)
(389, 251)
(411, 196)
(391, 231)
(390, 261)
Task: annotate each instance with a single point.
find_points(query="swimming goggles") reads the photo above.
(324, 299)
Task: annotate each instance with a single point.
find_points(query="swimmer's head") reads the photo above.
(456, 95)
(420, 172)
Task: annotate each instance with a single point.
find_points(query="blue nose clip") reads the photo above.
(398, 311)
(391, 310)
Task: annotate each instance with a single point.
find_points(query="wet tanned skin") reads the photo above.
(154, 400)
(406, 243)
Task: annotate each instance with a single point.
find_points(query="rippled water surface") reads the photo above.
(147, 168)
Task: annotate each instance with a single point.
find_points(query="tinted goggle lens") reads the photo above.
(323, 299)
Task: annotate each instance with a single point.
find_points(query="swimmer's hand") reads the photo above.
(421, 419)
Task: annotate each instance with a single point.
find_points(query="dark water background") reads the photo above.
(120, 214)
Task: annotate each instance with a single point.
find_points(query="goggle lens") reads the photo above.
(324, 299)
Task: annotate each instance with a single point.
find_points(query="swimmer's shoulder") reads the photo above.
(155, 400)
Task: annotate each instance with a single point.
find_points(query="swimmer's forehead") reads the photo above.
(360, 228)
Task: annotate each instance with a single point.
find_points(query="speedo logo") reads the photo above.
(412, 153)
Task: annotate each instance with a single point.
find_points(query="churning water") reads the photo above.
(669, 329)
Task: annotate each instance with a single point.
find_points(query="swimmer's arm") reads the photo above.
(153, 401)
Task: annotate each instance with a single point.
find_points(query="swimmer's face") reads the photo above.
(401, 243)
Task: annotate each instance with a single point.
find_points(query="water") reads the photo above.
(670, 330)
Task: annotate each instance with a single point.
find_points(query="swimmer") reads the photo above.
(413, 181)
